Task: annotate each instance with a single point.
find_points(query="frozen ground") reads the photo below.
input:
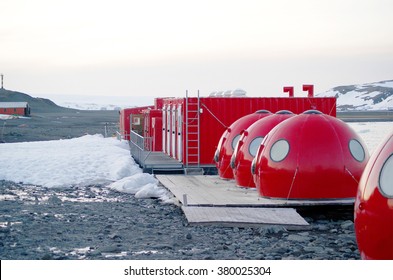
(81, 198)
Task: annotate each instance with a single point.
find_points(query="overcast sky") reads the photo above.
(164, 47)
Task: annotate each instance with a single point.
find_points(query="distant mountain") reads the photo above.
(99, 102)
(37, 105)
(370, 97)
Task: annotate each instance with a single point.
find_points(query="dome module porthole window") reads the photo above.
(254, 145)
(356, 150)
(386, 178)
(216, 155)
(253, 166)
(235, 140)
(279, 150)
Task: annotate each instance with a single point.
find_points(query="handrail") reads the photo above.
(140, 147)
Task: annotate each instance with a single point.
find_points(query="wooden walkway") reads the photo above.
(210, 190)
(208, 199)
(244, 216)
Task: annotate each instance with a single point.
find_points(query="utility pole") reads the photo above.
(2, 76)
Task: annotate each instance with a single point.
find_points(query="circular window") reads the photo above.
(386, 178)
(253, 166)
(312, 112)
(263, 112)
(235, 140)
(356, 150)
(216, 155)
(279, 150)
(254, 145)
(284, 112)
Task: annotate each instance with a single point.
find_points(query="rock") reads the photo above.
(110, 249)
(347, 225)
(161, 247)
(322, 227)
(47, 257)
(315, 249)
(268, 230)
(298, 238)
(114, 236)
(54, 200)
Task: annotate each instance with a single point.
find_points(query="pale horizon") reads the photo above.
(163, 48)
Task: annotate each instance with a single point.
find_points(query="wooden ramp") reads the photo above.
(208, 199)
(242, 216)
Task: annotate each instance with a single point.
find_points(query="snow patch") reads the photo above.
(83, 161)
(371, 96)
(133, 184)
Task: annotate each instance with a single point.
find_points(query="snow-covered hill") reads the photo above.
(371, 96)
(85, 102)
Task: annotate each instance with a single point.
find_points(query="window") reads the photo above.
(279, 150)
(254, 145)
(386, 178)
(312, 112)
(235, 140)
(284, 112)
(356, 150)
(136, 121)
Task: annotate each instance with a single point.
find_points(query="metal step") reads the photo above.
(193, 171)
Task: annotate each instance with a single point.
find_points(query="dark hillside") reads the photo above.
(37, 105)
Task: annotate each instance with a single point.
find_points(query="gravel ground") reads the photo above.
(54, 126)
(95, 222)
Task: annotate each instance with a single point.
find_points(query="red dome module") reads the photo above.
(310, 156)
(248, 145)
(229, 139)
(374, 205)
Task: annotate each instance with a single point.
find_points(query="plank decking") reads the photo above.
(244, 216)
(212, 200)
(202, 190)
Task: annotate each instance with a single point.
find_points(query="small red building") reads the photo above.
(137, 123)
(152, 131)
(15, 108)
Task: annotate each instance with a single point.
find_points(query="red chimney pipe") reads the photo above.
(310, 89)
(289, 90)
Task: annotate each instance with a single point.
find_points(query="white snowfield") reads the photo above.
(93, 159)
(83, 161)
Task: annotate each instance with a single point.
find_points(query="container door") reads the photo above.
(167, 130)
(179, 133)
(164, 129)
(173, 131)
